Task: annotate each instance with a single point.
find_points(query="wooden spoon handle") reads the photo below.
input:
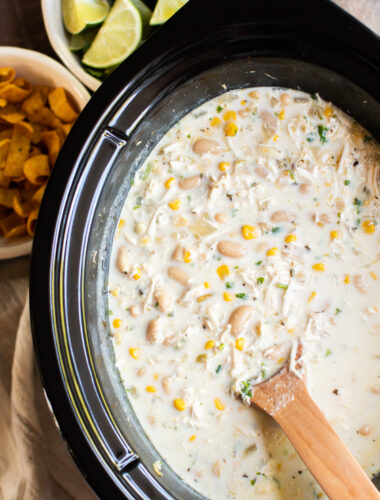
(323, 452)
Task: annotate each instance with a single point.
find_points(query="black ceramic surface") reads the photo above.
(308, 44)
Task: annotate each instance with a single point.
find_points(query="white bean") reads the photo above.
(189, 182)
(178, 274)
(134, 311)
(122, 259)
(282, 216)
(231, 249)
(163, 298)
(203, 146)
(238, 319)
(152, 331)
(220, 217)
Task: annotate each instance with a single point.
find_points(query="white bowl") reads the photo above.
(43, 70)
(59, 39)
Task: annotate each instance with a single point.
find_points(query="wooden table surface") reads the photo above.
(21, 21)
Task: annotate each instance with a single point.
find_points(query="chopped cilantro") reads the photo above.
(218, 368)
(310, 138)
(219, 109)
(281, 285)
(357, 202)
(132, 182)
(328, 352)
(147, 171)
(170, 314)
(156, 305)
(258, 262)
(253, 482)
(188, 198)
(260, 280)
(243, 296)
(314, 97)
(221, 347)
(253, 113)
(337, 310)
(234, 211)
(276, 229)
(347, 182)
(230, 284)
(109, 312)
(322, 133)
(188, 136)
(246, 389)
(367, 138)
(291, 175)
(263, 373)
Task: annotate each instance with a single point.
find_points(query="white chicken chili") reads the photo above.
(251, 225)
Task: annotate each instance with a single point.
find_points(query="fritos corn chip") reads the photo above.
(36, 169)
(7, 75)
(61, 106)
(18, 151)
(34, 122)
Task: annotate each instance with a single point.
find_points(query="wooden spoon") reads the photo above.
(285, 398)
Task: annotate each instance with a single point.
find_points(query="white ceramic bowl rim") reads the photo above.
(38, 68)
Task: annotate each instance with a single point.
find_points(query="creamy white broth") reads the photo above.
(265, 199)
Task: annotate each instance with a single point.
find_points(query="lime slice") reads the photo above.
(119, 35)
(82, 41)
(79, 14)
(165, 9)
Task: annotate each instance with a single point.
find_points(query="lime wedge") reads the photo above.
(82, 41)
(79, 14)
(119, 35)
(165, 9)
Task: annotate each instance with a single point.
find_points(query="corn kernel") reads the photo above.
(115, 292)
(328, 111)
(223, 271)
(230, 129)
(276, 138)
(243, 102)
(223, 165)
(215, 122)
(290, 330)
(290, 238)
(228, 297)
(312, 295)
(281, 114)
(206, 284)
(347, 279)
(319, 267)
(239, 344)
(175, 204)
(137, 274)
(209, 344)
(368, 226)
(272, 251)
(280, 361)
(116, 323)
(156, 376)
(335, 235)
(249, 232)
(169, 182)
(144, 241)
(187, 257)
(134, 352)
(121, 223)
(150, 388)
(218, 404)
(192, 438)
(374, 276)
(202, 298)
(179, 404)
(229, 115)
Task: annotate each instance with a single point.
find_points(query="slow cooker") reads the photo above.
(207, 48)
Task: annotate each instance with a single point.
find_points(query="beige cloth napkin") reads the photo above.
(34, 461)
